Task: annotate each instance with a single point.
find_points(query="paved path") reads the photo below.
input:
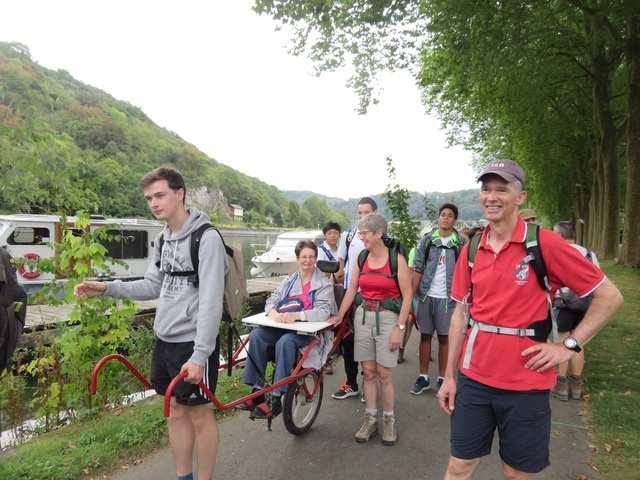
(329, 451)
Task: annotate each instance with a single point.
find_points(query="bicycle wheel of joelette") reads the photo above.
(300, 409)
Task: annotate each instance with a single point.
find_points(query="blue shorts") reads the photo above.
(523, 420)
(167, 360)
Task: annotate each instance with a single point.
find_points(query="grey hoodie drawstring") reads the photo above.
(175, 250)
(173, 260)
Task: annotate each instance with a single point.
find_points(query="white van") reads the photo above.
(27, 236)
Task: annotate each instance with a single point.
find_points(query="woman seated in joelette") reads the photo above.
(306, 296)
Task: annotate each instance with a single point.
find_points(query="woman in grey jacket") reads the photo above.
(304, 296)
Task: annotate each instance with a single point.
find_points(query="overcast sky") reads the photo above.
(219, 76)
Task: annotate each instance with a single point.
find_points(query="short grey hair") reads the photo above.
(374, 222)
(519, 187)
(566, 230)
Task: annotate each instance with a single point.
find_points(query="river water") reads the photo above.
(244, 242)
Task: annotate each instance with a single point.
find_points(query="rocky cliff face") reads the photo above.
(208, 201)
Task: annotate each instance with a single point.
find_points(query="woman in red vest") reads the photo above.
(384, 301)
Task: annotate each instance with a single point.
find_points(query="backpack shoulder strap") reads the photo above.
(393, 261)
(459, 244)
(326, 251)
(362, 256)
(427, 246)
(474, 243)
(292, 280)
(535, 259)
(160, 245)
(195, 250)
(534, 255)
(351, 233)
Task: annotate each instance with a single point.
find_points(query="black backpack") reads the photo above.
(394, 304)
(235, 281)
(567, 298)
(535, 259)
(13, 309)
(428, 243)
(351, 233)
(394, 246)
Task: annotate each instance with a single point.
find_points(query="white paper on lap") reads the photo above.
(302, 328)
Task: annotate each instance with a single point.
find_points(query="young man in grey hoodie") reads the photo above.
(187, 319)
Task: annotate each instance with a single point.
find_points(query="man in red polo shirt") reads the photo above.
(505, 362)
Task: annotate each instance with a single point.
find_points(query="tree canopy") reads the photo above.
(56, 131)
(554, 85)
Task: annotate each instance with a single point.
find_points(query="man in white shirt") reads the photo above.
(350, 247)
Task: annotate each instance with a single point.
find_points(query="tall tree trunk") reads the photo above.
(610, 213)
(581, 202)
(595, 221)
(630, 254)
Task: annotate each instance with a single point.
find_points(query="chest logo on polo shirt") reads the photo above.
(521, 272)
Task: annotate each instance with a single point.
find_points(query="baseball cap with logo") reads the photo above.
(506, 169)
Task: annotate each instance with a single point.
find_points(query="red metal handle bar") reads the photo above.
(234, 359)
(123, 360)
(169, 393)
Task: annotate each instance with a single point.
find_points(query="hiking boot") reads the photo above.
(345, 391)
(438, 385)
(560, 391)
(276, 405)
(400, 355)
(369, 428)
(261, 411)
(249, 405)
(420, 386)
(388, 430)
(575, 388)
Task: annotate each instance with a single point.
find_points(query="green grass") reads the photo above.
(613, 383)
(88, 449)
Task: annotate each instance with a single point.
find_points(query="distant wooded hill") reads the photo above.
(465, 200)
(56, 131)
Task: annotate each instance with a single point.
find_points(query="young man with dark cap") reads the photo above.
(499, 329)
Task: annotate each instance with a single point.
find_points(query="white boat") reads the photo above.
(31, 236)
(280, 258)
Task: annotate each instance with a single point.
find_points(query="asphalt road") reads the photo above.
(328, 450)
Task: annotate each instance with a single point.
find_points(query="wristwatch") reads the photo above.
(401, 327)
(572, 344)
(303, 316)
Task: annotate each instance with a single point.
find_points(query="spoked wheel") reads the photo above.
(300, 409)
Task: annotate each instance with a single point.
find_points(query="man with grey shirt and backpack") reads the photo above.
(187, 320)
(570, 310)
